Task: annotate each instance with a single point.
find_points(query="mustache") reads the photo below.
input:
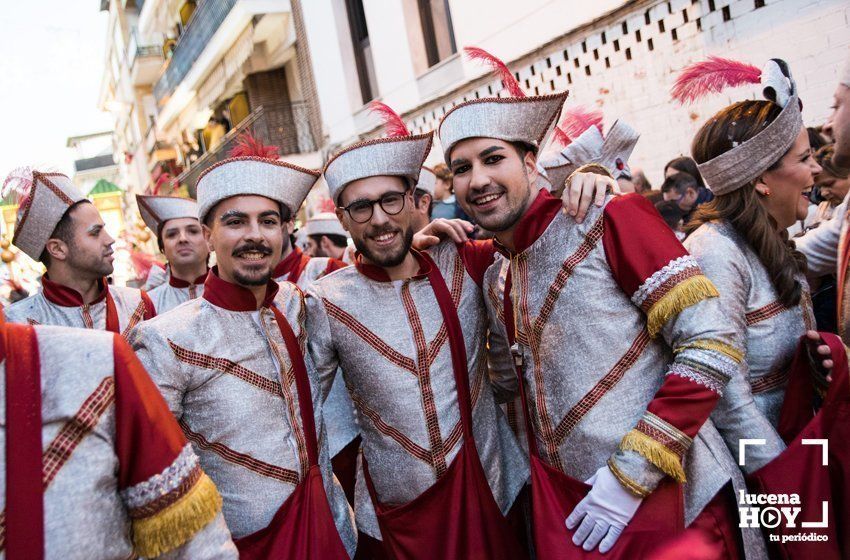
(494, 188)
(252, 248)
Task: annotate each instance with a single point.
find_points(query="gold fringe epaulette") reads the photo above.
(683, 295)
(655, 452)
(174, 525)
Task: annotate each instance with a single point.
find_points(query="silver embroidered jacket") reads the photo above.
(92, 388)
(768, 331)
(61, 306)
(615, 322)
(216, 367)
(390, 342)
(173, 292)
(340, 420)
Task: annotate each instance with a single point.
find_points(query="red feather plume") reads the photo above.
(578, 119)
(19, 181)
(712, 76)
(326, 205)
(249, 146)
(393, 123)
(560, 137)
(499, 68)
(142, 263)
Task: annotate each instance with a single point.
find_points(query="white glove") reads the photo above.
(603, 513)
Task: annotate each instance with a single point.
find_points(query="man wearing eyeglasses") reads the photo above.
(407, 329)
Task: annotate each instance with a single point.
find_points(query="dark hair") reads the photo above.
(641, 182)
(679, 182)
(64, 231)
(340, 241)
(824, 158)
(742, 208)
(816, 139)
(417, 197)
(670, 213)
(523, 148)
(685, 165)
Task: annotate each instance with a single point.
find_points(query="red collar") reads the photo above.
(233, 297)
(68, 297)
(533, 223)
(292, 265)
(178, 283)
(379, 274)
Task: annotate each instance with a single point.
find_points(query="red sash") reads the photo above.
(24, 486)
(799, 469)
(457, 518)
(111, 315)
(554, 495)
(303, 528)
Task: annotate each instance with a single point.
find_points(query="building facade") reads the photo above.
(619, 57)
(300, 73)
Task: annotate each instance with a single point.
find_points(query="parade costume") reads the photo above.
(156, 211)
(341, 424)
(437, 451)
(760, 405)
(239, 381)
(95, 465)
(48, 196)
(615, 403)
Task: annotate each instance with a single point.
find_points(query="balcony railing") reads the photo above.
(200, 28)
(285, 125)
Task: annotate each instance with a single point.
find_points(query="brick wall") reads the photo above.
(625, 63)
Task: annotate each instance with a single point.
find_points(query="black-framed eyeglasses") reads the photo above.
(361, 210)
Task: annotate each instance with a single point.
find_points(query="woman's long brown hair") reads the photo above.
(742, 208)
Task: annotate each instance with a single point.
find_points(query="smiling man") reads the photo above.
(232, 368)
(174, 221)
(408, 330)
(60, 228)
(618, 294)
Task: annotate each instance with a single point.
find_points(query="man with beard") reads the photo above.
(58, 226)
(95, 466)
(174, 221)
(612, 414)
(232, 368)
(434, 441)
(325, 236)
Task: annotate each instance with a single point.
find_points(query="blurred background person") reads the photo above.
(673, 216)
(444, 205)
(683, 189)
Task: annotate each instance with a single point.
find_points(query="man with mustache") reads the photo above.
(616, 414)
(63, 230)
(233, 370)
(174, 221)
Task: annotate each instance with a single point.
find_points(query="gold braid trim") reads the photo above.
(716, 345)
(680, 297)
(173, 526)
(655, 452)
(597, 168)
(628, 483)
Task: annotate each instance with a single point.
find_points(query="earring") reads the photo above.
(766, 192)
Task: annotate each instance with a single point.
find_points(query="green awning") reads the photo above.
(103, 187)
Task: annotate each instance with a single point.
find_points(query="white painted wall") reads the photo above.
(812, 35)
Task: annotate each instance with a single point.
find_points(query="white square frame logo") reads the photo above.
(824, 443)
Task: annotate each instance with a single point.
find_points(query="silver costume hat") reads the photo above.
(156, 210)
